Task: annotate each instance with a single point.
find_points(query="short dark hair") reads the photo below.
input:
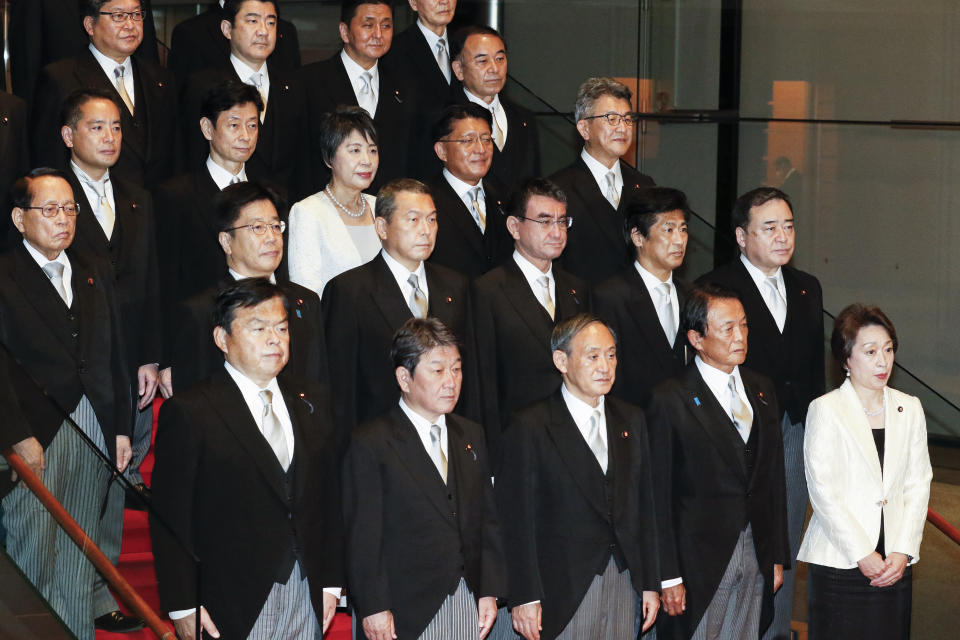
(693, 316)
(566, 330)
(91, 8)
(416, 337)
(641, 211)
(225, 96)
(387, 196)
(520, 198)
(848, 323)
(337, 126)
(740, 216)
(71, 109)
(459, 38)
(232, 7)
(21, 193)
(453, 114)
(348, 8)
(231, 200)
(243, 294)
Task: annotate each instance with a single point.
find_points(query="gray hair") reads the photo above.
(564, 333)
(594, 89)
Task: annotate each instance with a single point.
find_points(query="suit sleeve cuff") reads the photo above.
(672, 582)
(334, 591)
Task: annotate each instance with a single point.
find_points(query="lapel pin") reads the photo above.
(523, 123)
(900, 409)
(303, 397)
(760, 395)
(90, 281)
(469, 448)
(696, 400)
(160, 83)
(6, 119)
(625, 435)
(449, 300)
(803, 292)
(396, 96)
(133, 205)
(286, 87)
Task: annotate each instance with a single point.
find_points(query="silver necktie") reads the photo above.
(665, 311)
(105, 214)
(443, 58)
(545, 299)
(257, 81)
(499, 137)
(368, 97)
(595, 440)
(476, 194)
(436, 452)
(118, 73)
(742, 414)
(613, 196)
(778, 306)
(417, 301)
(54, 271)
(272, 430)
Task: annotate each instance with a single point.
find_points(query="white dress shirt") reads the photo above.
(245, 71)
(760, 279)
(532, 274)
(495, 109)
(354, 71)
(462, 189)
(432, 40)
(422, 425)
(401, 274)
(109, 65)
(221, 177)
(580, 411)
(104, 186)
(653, 283)
(599, 173)
(239, 276)
(42, 260)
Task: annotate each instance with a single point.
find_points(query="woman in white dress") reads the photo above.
(332, 231)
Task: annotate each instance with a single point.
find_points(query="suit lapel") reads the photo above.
(518, 293)
(463, 461)
(710, 415)
(39, 292)
(206, 188)
(794, 297)
(859, 427)
(427, 57)
(597, 206)
(758, 313)
(300, 407)
(387, 296)
(463, 219)
(618, 447)
(759, 404)
(341, 90)
(569, 301)
(89, 231)
(576, 454)
(643, 312)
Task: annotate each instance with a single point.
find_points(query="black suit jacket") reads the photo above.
(219, 486)
(362, 309)
(408, 541)
(704, 494)
(596, 249)
(460, 244)
(198, 43)
(549, 481)
(411, 57)
(327, 86)
(794, 359)
(195, 357)
(514, 362)
(150, 148)
(14, 156)
(45, 31)
(132, 253)
(644, 356)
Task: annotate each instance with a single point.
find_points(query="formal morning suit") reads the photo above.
(362, 309)
(411, 56)
(710, 486)
(596, 249)
(327, 86)
(514, 360)
(198, 43)
(645, 357)
(410, 536)
(45, 31)
(220, 487)
(461, 245)
(195, 356)
(14, 156)
(150, 136)
(549, 481)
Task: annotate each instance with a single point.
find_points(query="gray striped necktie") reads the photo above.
(475, 194)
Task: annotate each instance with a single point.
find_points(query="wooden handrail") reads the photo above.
(91, 550)
(939, 522)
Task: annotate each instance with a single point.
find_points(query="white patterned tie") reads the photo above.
(443, 58)
(436, 452)
(54, 271)
(596, 442)
(778, 306)
(665, 311)
(272, 430)
(741, 413)
(122, 88)
(257, 81)
(545, 299)
(476, 194)
(417, 301)
(613, 196)
(105, 214)
(368, 97)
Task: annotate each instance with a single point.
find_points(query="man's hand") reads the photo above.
(379, 626)
(487, 612)
(651, 604)
(894, 566)
(166, 383)
(124, 453)
(185, 627)
(329, 609)
(872, 565)
(147, 379)
(30, 452)
(528, 620)
(674, 600)
(777, 577)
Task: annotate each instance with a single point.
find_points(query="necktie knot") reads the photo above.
(266, 396)
(434, 433)
(417, 301)
(119, 73)
(234, 179)
(257, 80)
(53, 270)
(476, 196)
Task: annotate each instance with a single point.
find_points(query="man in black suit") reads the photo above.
(578, 462)
(198, 43)
(14, 155)
(354, 77)
(642, 303)
(718, 478)
(60, 320)
(599, 184)
(422, 51)
(281, 157)
(246, 476)
(364, 307)
(151, 140)
(479, 57)
(251, 237)
(517, 305)
(44, 31)
(472, 235)
(424, 554)
(785, 309)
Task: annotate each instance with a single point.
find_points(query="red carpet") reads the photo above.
(136, 565)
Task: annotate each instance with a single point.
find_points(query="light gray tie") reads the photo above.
(499, 137)
(257, 81)
(742, 414)
(443, 58)
(234, 179)
(54, 271)
(778, 306)
(595, 440)
(367, 98)
(545, 299)
(118, 73)
(613, 196)
(105, 214)
(272, 430)
(665, 311)
(436, 452)
(476, 194)
(417, 301)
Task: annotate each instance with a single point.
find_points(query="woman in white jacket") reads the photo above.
(868, 473)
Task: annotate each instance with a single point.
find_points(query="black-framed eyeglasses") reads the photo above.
(566, 221)
(119, 17)
(260, 228)
(613, 119)
(486, 141)
(51, 209)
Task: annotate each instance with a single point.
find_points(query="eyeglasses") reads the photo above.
(486, 141)
(119, 17)
(50, 210)
(565, 222)
(260, 228)
(613, 119)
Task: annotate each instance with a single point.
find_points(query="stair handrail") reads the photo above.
(941, 523)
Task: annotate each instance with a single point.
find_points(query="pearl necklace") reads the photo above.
(873, 414)
(358, 214)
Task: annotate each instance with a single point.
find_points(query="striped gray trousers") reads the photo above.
(734, 611)
(288, 612)
(456, 619)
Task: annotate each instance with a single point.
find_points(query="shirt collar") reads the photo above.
(600, 172)
(579, 409)
(85, 179)
(42, 260)
(109, 64)
(400, 272)
(718, 380)
(459, 186)
(247, 386)
(432, 38)
(759, 277)
(422, 424)
(530, 272)
(239, 276)
(494, 104)
(651, 280)
(221, 176)
(354, 70)
(244, 71)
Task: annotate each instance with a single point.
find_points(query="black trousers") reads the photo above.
(844, 606)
